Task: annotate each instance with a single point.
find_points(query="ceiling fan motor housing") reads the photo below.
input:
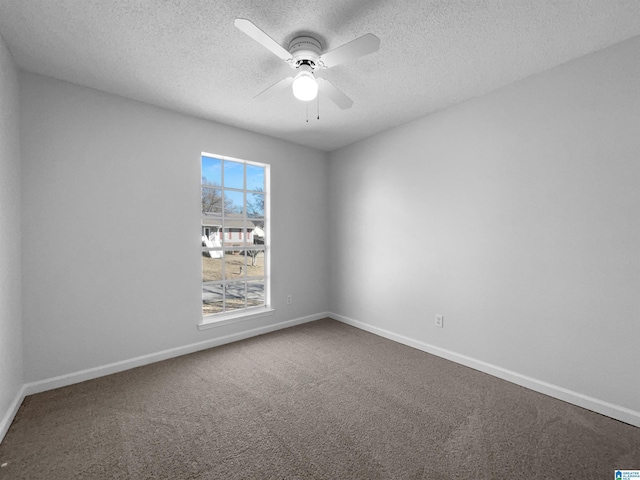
(305, 51)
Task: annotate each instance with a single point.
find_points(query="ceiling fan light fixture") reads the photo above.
(305, 86)
(305, 54)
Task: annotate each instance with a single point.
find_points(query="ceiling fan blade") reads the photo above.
(262, 38)
(335, 95)
(275, 88)
(359, 47)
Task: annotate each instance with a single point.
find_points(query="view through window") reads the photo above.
(234, 235)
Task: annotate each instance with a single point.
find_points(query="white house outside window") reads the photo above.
(235, 243)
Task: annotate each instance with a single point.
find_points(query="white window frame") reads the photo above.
(246, 313)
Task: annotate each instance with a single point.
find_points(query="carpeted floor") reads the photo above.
(318, 401)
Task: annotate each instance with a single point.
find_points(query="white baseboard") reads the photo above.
(617, 412)
(91, 373)
(605, 408)
(5, 423)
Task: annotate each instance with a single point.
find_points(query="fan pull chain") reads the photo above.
(307, 106)
(318, 107)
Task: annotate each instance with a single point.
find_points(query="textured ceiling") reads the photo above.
(186, 55)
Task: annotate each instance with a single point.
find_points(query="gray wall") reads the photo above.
(111, 219)
(10, 303)
(520, 212)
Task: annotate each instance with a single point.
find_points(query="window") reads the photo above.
(235, 246)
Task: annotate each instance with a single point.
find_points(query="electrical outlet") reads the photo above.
(440, 321)
(289, 299)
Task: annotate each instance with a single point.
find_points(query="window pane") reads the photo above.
(234, 266)
(250, 233)
(211, 171)
(227, 239)
(211, 267)
(211, 232)
(233, 203)
(235, 296)
(211, 298)
(255, 293)
(209, 307)
(234, 237)
(255, 263)
(258, 232)
(211, 200)
(255, 205)
(255, 178)
(244, 236)
(233, 174)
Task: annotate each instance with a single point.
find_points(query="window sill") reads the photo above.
(212, 321)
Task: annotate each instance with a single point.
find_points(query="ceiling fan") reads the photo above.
(305, 55)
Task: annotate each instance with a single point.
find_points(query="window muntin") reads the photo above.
(235, 253)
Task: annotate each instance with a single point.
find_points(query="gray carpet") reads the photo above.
(318, 401)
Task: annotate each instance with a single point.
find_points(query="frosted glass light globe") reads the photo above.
(305, 87)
